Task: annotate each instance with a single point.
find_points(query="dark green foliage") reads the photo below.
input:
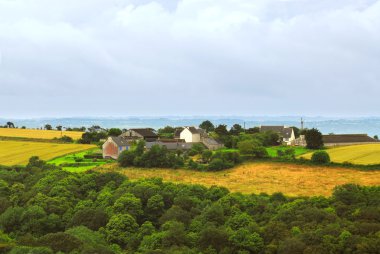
(313, 139)
(320, 157)
(114, 132)
(207, 126)
(156, 157)
(48, 210)
(92, 137)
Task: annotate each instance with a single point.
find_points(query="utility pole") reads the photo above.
(302, 123)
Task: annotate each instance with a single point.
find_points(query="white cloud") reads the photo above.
(192, 57)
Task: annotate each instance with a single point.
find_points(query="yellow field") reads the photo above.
(356, 154)
(18, 152)
(292, 180)
(42, 134)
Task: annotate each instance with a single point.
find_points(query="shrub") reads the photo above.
(218, 164)
(314, 139)
(320, 157)
(126, 158)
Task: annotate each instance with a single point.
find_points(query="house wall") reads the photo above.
(190, 137)
(110, 150)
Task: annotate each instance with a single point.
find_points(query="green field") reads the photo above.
(76, 162)
(272, 151)
(355, 154)
(19, 152)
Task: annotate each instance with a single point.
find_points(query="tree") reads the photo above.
(320, 157)
(206, 156)
(221, 130)
(236, 129)
(10, 125)
(128, 203)
(126, 158)
(207, 126)
(114, 132)
(60, 242)
(48, 127)
(120, 228)
(243, 239)
(376, 137)
(59, 128)
(253, 130)
(314, 139)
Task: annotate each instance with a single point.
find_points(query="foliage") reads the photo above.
(313, 139)
(320, 157)
(207, 126)
(114, 132)
(156, 157)
(54, 211)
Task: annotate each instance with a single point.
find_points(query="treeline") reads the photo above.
(160, 157)
(46, 210)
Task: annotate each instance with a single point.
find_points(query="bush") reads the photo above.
(320, 157)
(93, 156)
(218, 164)
(126, 158)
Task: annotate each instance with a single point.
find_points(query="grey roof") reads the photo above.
(170, 145)
(120, 141)
(145, 132)
(193, 130)
(348, 138)
(285, 132)
(211, 141)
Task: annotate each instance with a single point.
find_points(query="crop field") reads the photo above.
(18, 153)
(268, 177)
(356, 154)
(38, 134)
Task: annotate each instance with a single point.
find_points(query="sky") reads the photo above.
(63, 58)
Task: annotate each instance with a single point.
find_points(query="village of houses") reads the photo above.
(185, 137)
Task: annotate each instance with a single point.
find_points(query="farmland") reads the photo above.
(260, 177)
(355, 154)
(38, 134)
(18, 153)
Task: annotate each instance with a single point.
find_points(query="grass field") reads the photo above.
(272, 151)
(81, 164)
(18, 153)
(356, 154)
(268, 177)
(38, 134)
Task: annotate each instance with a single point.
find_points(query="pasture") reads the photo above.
(355, 154)
(18, 153)
(268, 177)
(38, 134)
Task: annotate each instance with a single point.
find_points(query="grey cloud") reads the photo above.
(189, 57)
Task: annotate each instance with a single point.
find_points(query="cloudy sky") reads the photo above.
(189, 57)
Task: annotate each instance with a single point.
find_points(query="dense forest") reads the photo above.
(44, 209)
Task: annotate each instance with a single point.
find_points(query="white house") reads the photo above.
(286, 133)
(191, 135)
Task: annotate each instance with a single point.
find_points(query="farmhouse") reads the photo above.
(348, 139)
(146, 134)
(114, 146)
(191, 135)
(196, 135)
(286, 133)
